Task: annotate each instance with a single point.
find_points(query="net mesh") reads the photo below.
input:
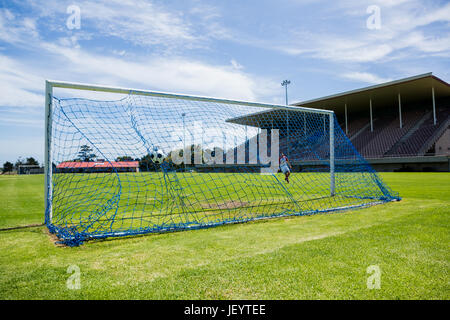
(221, 165)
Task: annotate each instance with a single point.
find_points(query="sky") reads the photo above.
(239, 50)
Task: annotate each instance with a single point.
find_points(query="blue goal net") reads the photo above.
(154, 163)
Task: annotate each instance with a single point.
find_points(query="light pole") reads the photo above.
(285, 84)
(184, 141)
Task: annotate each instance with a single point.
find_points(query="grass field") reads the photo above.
(323, 256)
(99, 203)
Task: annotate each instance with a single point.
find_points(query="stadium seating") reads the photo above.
(389, 140)
(387, 133)
(356, 125)
(420, 137)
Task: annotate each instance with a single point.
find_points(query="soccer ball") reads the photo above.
(157, 156)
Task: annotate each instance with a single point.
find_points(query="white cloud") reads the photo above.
(405, 25)
(236, 65)
(207, 18)
(16, 30)
(134, 21)
(365, 77)
(176, 74)
(19, 86)
(119, 52)
(362, 52)
(153, 25)
(433, 44)
(416, 14)
(139, 22)
(38, 123)
(143, 23)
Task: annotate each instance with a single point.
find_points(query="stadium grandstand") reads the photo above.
(401, 125)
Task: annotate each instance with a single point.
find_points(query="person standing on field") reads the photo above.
(285, 167)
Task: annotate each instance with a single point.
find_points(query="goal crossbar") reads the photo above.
(98, 88)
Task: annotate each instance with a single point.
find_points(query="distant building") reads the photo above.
(97, 166)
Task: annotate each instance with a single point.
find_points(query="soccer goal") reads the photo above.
(155, 162)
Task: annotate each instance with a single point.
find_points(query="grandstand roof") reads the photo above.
(98, 164)
(412, 89)
(257, 119)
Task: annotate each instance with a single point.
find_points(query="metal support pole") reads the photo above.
(287, 131)
(400, 110)
(48, 156)
(434, 106)
(286, 96)
(346, 120)
(332, 178)
(247, 145)
(285, 85)
(184, 142)
(203, 140)
(371, 119)
(304, 124)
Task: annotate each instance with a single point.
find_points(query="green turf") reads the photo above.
(315, 257)
(99, 203)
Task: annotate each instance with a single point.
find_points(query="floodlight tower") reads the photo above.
(184, 141)
(285, 84)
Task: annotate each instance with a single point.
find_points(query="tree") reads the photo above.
(31, 162)
(124, 158)
(18, 163)
(85, 153)
(146, 163)
(7, 167)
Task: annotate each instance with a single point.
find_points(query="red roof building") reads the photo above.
(98, 166)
